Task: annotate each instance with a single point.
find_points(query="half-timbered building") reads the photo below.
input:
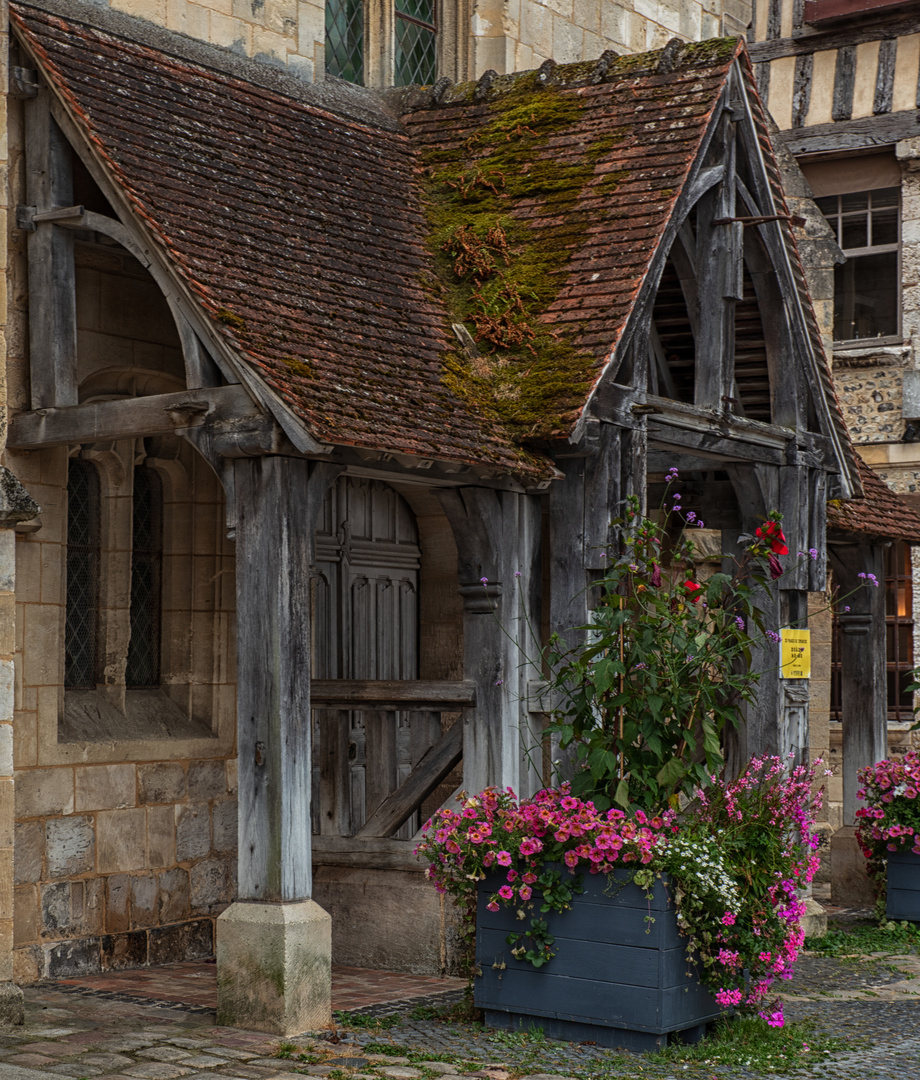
(840, 79)
(330, 397)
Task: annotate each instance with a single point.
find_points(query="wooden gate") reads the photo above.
(373, 722)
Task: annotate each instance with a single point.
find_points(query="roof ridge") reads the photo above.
(609, 67)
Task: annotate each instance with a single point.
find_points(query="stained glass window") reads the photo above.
(416, 43)
(345, 39)
(81, 631)
(143, 668)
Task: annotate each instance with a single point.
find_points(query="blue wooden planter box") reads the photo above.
(903, 903)
(615, 979)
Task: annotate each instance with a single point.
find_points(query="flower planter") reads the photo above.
(616, 979)
(903, 872)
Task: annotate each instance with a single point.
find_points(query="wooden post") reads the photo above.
(863, 705)
(863, 682)
(498, 536)
(274, 944)
(52, 283)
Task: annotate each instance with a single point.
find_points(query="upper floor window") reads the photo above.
(382, 41)
(866, 225)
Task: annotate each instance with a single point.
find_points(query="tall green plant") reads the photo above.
(666, 662)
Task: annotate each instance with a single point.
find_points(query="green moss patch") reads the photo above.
(504, 222)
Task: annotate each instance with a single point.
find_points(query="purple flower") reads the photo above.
(739, 622)
(484, 581)
(772, 635)
(690, 518)
(813, 552)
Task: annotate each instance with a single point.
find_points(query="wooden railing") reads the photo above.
(434, 753)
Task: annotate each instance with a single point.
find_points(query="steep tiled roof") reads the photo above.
(879, 515)
(324, 244)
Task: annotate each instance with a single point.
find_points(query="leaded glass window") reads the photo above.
(345, 39)
(81, 632)
(416, 43)
(143, 668)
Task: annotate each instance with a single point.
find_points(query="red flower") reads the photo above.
(772, 532)
(692, 587)
(655, 579)
(776, 569)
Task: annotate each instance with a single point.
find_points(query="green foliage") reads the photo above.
(666, 664)
(886, 937)
(749, 1043)
(356, 1020)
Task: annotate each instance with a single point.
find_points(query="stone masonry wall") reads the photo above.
(505, 35)
(870, 384)
(120, 865)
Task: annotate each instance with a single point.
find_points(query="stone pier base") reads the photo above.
(850, 884)
(274, 967)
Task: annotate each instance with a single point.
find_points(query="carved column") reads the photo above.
(498, 536)
(274, 944)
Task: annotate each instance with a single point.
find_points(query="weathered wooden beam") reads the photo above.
(882, 24)
(854, 134)
(863, 675)
(392, 694)
(498, 537)
(52, 276)
(366, 853)
(434, 766)
(157, 414)
(278, 500)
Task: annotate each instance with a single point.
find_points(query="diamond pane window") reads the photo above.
(143, 668)
(416, 60)
(345, 39)
(81, 629)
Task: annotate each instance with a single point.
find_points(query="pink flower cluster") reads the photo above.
(768, 802)
(494, 831)
(891, 820)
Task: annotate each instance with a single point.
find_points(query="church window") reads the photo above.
(81, 635)
(390, 42)
(143, 667)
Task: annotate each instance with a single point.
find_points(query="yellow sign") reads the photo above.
(795, 654)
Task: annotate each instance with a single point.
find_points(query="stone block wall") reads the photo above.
(870, 383)
(121, 865)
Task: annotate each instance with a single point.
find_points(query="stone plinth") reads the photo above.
(850, 884)
(274, 967)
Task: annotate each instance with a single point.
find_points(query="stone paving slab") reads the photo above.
(74, 1034)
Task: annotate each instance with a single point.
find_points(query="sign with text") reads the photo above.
(795, 654)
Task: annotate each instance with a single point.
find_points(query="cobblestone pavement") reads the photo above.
(87, 1030)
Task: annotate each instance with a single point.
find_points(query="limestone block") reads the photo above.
(232, 775)
(70, 846)
(29, 852)
(161, 836)
(121, 840)
(117, 901)
(26, 924)
(121, 951)
(6, 731)
(211, 884)
(7, 813)
(162, 782)
(41, 792)
(69, 958)
(144, 896)
(105, 787)
(207, 780)
(274, 967)
(850, 884)
(224, 825)
(185, 941)
(28, 964)
(57, 918)
(174, 895)
(12, 1007)
(193, 832)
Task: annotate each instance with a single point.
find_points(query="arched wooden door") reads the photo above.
(366, 627)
